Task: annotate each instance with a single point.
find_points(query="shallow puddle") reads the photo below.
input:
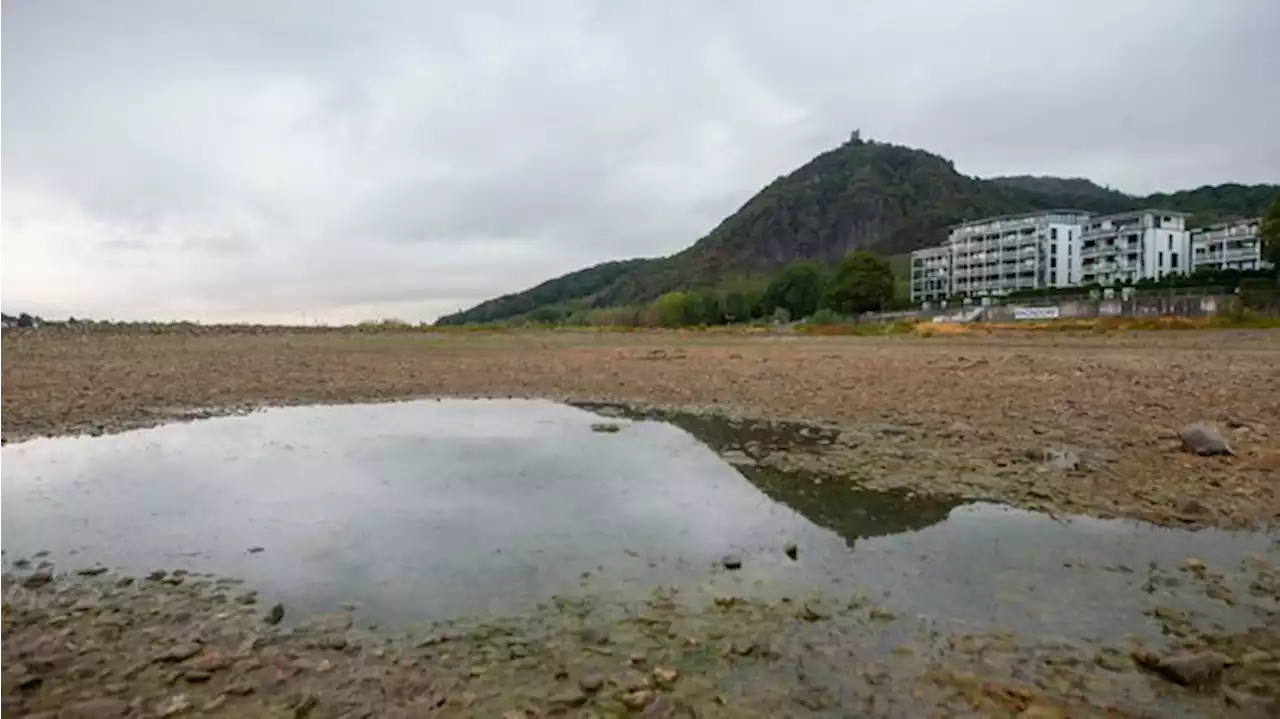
(420, 511)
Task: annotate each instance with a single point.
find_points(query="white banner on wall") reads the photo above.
(1035, 313)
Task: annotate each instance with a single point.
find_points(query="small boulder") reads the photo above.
(1188, 668)
(1203, 438)
(38, 578)
(731, 561)
(591, 683)
(275, 614)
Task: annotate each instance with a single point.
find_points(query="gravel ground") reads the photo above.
(1071, 423)
(1087, 424)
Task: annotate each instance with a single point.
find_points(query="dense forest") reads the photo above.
(861, 195)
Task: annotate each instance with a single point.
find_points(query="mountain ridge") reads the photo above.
(860, 195)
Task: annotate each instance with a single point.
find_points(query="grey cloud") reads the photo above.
(289, 158)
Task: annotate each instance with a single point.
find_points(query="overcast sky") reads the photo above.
(338, 161)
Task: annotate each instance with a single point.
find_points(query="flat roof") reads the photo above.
(1138, 213)
(1021, 216)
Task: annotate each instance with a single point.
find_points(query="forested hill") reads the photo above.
(863, 194)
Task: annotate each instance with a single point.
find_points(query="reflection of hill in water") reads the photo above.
(831, 503)
(852, 513)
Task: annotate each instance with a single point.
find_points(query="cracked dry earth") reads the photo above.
(1059, 423)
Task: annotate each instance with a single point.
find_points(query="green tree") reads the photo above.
(863, 282)
(796, 289)
(735, 306)
(703, 307)
(1270, 234)
(672, 309)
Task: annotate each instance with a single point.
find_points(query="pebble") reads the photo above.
(179, 652)
(731, 561)
(175, 704)
(569, 698)
(665, 676)
(103, 708)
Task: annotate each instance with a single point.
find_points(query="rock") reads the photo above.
(1187, 669)
(91, 571)
(632, 680)
(883, 615)
(256, 549)
(638, 699)
(591, 682)
(568, 699)
(94, 709)
(214, 704)
(731, 561)
(665, 676)
(1202, 438)
(1063, 460)
(157, 574)
(37, 579)
(197, 676)
(175, 704)
(666, 708)
(1192, 506)
(960, 429)
(791, 549)
(606, 428)
(1040, 709)
(813, 611)
(594, 636)
(179, 652)
(240, 689)
(1194, 565)
(275, 614)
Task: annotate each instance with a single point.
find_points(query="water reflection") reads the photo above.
(430, 510)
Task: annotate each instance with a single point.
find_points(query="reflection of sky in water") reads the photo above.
(424, 510)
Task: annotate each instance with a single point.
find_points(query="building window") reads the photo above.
(1160, 259)
(1173, 260)
(1053, 233)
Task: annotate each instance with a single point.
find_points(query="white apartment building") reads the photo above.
(1228, 246)
(999, 255)
(1131, 246)
(931, 274)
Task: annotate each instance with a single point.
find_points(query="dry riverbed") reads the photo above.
(1062, 424)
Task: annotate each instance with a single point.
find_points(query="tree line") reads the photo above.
(862, 282)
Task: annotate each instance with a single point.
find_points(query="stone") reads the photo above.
(157, 574)
(606, 428)
(102, 708)
(1063, 460)
(1188, 668)
(791, 549)
(91, 571)
(256, 549)
(960, 429)
(632, 680)
(569, 698)
(638, 699)
(665, 676)
(813, 611)
(731, 561)
(197, 676)
(179, 652)
(275, 614)
(594, 635)
(172, 705)
(1203, 439)
(591, 683)
(37, 579)
(666, 708)
(1041, 709)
